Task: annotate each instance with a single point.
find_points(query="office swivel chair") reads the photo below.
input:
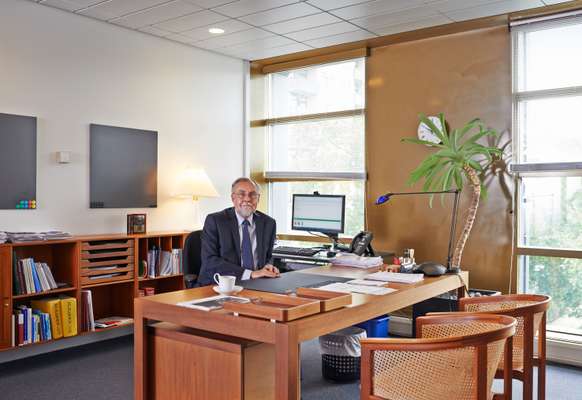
(191, 258)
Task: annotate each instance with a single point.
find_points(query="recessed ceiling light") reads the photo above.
(216, 31)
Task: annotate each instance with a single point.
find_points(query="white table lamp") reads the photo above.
(195, 184)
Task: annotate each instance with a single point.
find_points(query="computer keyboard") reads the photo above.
(296, 251)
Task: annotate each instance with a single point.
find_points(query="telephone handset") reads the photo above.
(361, 244)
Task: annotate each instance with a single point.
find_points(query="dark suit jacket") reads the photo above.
(221, 244)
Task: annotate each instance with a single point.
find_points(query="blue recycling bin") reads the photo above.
(376, 327)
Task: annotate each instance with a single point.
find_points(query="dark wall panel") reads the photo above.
(17, 161)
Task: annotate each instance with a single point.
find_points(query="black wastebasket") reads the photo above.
(340, 354)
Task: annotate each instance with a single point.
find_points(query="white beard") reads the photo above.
(246, 211)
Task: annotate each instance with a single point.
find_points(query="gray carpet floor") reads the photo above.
(103, 371)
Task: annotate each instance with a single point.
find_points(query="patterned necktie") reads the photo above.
(246, 247)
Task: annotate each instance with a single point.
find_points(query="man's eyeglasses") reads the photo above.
(251, 195)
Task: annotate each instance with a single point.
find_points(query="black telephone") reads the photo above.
(361, 244)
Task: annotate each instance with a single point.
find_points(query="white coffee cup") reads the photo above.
(225, 282)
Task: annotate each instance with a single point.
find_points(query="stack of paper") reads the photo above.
(17, 237)
(395, 277)
(55, 235)
(353, 260)
(349, 288)
(3, 237)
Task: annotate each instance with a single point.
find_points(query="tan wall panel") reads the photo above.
(464, 75)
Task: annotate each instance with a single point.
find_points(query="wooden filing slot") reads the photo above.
(86, 255)
(276, 307)
(328, 300)
(118, 244)
(187, 363)
(106, 261)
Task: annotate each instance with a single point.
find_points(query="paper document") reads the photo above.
(364, 282)
(212, 303)
(353, 260)
(395, 277)
(348, 288)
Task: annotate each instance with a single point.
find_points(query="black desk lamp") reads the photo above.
(450, 269)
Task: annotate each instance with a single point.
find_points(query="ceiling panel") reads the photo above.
(322, 31)
(280, 14)
(376, 7)
(376, 21)
(154, 31)
(116, 8)
(257, 45)
(235, 38)
(452, 5)
(157, 14)
(332, 4)
(191, 21)
(246, 7)
(271, 52)
(498, 7)
(255, 29)
(209, 3)
(229, 26)
(70, 4)
(412, 25)
(177, 37)
(298, 24)
(341, 38)
(63, 5)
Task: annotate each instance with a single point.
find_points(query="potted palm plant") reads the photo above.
(459, 161)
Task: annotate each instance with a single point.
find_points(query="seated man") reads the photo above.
(239, 240)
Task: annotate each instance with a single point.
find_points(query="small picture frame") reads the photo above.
(136, 224)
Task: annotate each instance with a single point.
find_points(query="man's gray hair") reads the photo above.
(245, 179)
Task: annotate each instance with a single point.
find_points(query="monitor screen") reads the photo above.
(318, 213)
(17, 162)
(124, 167)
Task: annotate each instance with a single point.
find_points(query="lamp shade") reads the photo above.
(194, 183)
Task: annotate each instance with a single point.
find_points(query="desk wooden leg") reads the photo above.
(287, 363)
(139, 352)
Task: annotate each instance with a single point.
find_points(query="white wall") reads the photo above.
(70, 71)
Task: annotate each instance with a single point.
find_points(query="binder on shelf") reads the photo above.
(87, 319)
(165, 263)
(52, 307)
(69, 315)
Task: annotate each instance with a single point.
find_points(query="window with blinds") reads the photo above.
(316, 138)
(547, 99)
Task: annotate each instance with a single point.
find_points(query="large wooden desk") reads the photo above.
(285, 336)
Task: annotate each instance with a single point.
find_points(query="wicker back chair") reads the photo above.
(454, 358)
(530, 312)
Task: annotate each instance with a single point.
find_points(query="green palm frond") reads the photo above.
(459, 149)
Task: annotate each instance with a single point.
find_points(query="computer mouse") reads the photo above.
(431, 268)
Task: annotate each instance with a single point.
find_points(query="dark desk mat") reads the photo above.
(290, 281)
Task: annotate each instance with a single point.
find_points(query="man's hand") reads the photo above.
(268, 271)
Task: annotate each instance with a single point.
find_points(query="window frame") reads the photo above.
(271, 177)
(526, 170)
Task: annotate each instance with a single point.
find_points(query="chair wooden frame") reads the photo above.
(527, 312)
(480, 341)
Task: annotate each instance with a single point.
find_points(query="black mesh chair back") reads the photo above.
(191, 258)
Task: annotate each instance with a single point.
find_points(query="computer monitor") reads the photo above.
(319, 213)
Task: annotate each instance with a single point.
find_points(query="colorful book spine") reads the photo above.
(52, 307)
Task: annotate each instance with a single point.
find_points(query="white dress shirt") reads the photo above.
(252, 233)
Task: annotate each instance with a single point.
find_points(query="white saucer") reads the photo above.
(235, 290)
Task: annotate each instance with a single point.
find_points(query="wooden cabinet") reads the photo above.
(189, 364)
(5, 288)
(107, 265)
